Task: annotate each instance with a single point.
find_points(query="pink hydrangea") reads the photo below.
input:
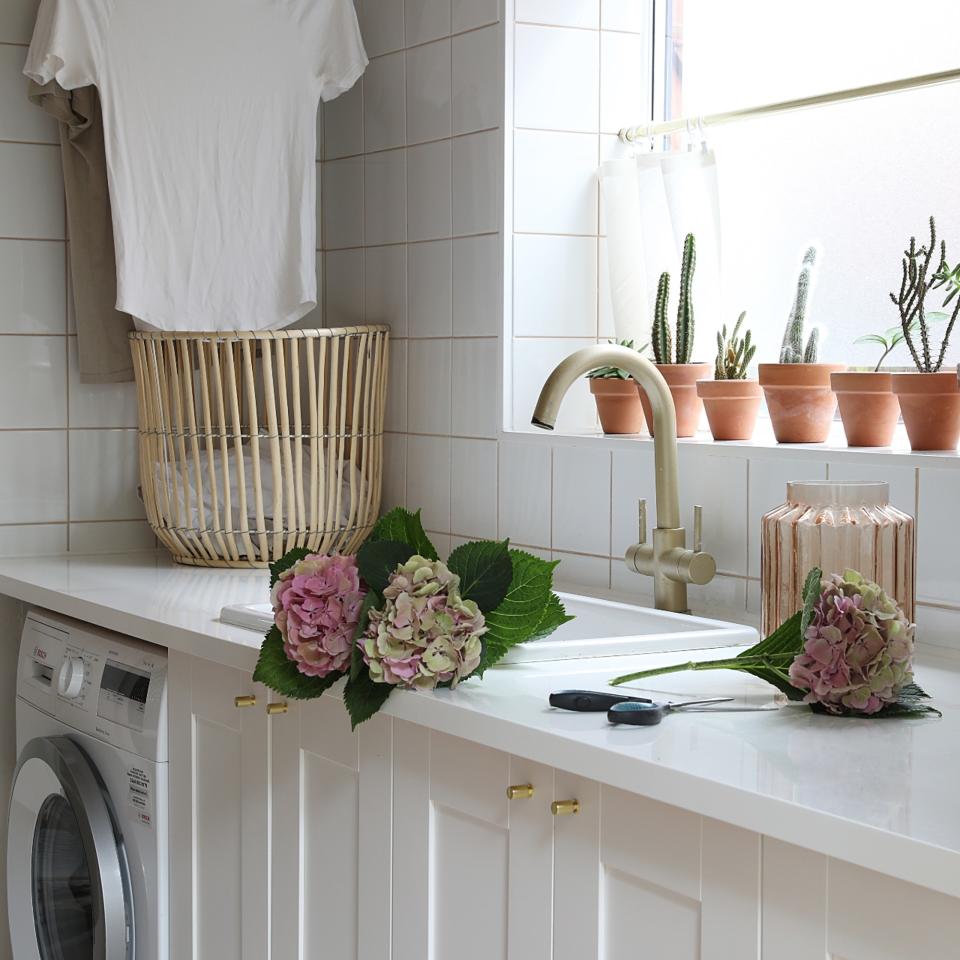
(316, 606)
(858, 648)
(426, 632)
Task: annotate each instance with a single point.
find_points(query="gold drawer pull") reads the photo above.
(560, 808)
(520, 791)
(247, 700)
(275, 708)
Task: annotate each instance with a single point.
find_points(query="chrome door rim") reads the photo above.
(102, 844)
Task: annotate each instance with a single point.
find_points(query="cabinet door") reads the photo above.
(631, 873)
(465, 858)
(219, 824)
(331, 834)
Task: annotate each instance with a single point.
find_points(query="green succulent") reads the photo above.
(615, 373)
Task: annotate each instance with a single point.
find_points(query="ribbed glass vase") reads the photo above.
(837, 526)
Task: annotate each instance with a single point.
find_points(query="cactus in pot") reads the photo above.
(731, 400)
(672, 353)
(616, 395)
(799, 395)
(930, 398)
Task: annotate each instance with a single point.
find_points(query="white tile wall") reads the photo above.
(60, 462)
(428, 92)
(429, 190)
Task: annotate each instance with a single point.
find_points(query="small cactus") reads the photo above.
(663, 351)
(615, 373)
(734, 353)
(792, 350)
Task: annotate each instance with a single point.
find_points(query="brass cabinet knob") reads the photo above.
(520, 791)
(275, 708)
(561, 808)
(246, 700)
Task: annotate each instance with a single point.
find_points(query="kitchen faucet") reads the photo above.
(667, 558)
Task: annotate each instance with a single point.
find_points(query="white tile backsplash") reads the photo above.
(395, 415)
(98, 404)
(634, 479)
(468, 14)
(384, 202)
(385, 287)
(719, 485)
(581, 501)
(477, 307)
(429, 191)
(477, 80)
(394, 471)
(428, 479)
(33, 476)
(33, 280)
(477, 179)
(111, 537)
(555, 286)
(341, 196)
(34, 210)
(524, 492)
(473, 486)
(938, 533)
(384, 110)
(19, 118)
(104, 473)
(430, 289)
(27, 539)
(428, 92)
(343, 287)
(33, 382)
(426, 20)
(626, 70)
(565, 13)
(428, 387)
(343, 124)
(556, 81)
(581, 573)
(382, 26)
(476, 387)
(533, 361)
(555, 182)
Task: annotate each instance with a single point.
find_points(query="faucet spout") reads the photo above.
(568, 371)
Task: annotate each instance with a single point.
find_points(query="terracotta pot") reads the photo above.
(618, 404)
(800, 400)
(930, 403)
(732, 407)
(868, 407)
(682, 380)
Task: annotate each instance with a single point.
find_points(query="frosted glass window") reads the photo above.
(857, 178)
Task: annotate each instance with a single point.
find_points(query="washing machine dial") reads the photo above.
(70, 677)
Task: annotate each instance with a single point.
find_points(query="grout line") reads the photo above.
(30, 143)
(417, 143)
(36, 239)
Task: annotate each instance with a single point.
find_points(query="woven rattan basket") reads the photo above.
(254, 443)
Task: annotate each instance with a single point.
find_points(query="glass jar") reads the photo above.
(835, 525)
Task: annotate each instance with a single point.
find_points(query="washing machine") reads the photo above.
(87, 827)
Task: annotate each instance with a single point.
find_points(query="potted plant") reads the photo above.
(797, 389)
(731, 400)
(869, 408)
(930, 398)
(681, 375)
(615, 393)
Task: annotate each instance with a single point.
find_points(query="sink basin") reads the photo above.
(601, 628)
(605, 628)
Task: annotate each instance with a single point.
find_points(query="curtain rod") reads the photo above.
(643, 131)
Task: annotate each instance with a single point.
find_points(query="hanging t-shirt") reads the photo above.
(209, 113)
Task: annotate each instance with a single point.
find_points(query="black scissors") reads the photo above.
(646, 714)
(590, 701)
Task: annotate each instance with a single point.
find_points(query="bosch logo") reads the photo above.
(40, 653)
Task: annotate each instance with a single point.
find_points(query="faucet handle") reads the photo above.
(698, 528)
(642, 521)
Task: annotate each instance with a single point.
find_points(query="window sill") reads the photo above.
(765, 445)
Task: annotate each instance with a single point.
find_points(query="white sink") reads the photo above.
(601, 628)
(604, 628)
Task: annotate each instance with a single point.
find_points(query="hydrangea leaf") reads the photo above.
(405, 527)
(286, 562)
(485, 572)
(523, 608)
(554, 615)
(811, 593)
(377, 559)
(363, 698)
(278, 672)
(370, 602)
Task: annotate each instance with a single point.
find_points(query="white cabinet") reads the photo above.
(219, 803)
(331, 808)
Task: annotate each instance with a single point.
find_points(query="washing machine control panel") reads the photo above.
(104, 684)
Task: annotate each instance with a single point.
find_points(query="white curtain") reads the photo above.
(650, 203)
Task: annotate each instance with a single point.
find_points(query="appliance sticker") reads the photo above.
(139, 795)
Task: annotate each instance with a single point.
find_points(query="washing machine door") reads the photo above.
(68, 884)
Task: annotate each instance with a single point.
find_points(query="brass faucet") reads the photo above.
(667, 559)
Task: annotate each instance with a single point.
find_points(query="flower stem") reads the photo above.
(770, 661)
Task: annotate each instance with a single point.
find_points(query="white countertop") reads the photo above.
(879, 793)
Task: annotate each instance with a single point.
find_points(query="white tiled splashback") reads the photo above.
(68, 451)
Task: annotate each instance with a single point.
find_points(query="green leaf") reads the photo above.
(554, 616)
(363, 698)
(485, 571)
(377, 559)
(404, 527)
(517, 618)
(285, 562)
(370, 602)
(872, 338)
(811, 593)
(278, 672)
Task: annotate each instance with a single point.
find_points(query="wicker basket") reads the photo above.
(254, 443)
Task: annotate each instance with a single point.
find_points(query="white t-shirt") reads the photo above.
(209, 113)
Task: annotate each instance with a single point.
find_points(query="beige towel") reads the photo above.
(101, 329)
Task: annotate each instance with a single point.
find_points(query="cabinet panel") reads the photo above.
(794, 898)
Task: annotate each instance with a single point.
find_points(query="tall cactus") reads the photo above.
(662, 347)
(792, 350)
(685, 307)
